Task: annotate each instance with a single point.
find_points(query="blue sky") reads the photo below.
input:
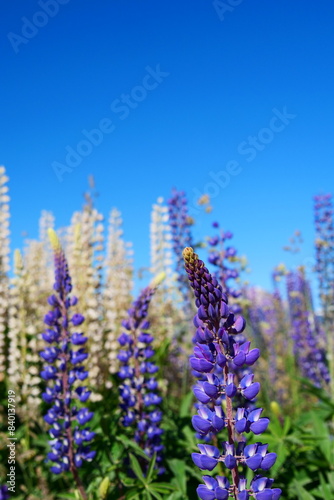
(183, 95)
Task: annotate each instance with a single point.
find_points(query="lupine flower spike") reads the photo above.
(224, 258)
(64, 372)
(216, 347)
(139, 398)
(180, 224)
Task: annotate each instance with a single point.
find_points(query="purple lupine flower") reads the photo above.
(324, 243)
(138, 392)
(216, 346)
(223, 258)
(267, 319)
(324, 225)
(4, 495)
(180, 223)
(310, 356)
(63, 368)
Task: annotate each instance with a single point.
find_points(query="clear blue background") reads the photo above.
(225, 77)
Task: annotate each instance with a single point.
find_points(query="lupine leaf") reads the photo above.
(178, 469)
(150, 469)
(155, 494)
(136, 468)
(165, 486)
(186, 404)
(302, 493)
(131, 444)
(132, 494)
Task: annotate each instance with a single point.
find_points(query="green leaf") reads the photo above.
(302, 493)
(186, 404)
(131, 444)
(67, 496)
(178, 468)
(161, 487)
(137, 469)
(132, 494)
(150, 469)
(155, 494)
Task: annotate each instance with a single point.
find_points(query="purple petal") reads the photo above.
(246, 381)
(252, 356)
(204, 493)
(204, 462)
(201, 365)
(254, 462)
(230, 390)
(241, 425)
(210, 482)
(200, 425)
(240, 358)
(223, 482)
(264, 495)
(200, 395)
(221, 494)
(210, 389)
(268, 461)
(230, 461)
(239, 324)
(259, 426)
(252, 391)
(218, 423)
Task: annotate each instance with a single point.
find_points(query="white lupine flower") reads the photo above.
(118, 285)
(162, 262)
(4, 265)
(83, 246)
(23, 360)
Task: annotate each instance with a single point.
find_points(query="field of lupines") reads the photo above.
(200, 386)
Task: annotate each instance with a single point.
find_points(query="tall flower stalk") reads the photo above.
(64, 372)
(4, 268)
(224, 258)
(85, 248)
(180, 223)
(324, 244)
(217, 348)
(116, 295)
(23, 351)
(138, 392)
(310, 355)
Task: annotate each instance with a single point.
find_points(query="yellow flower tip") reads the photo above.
(275, 408)
(187, 253)
(54, 239)
(158, 279)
